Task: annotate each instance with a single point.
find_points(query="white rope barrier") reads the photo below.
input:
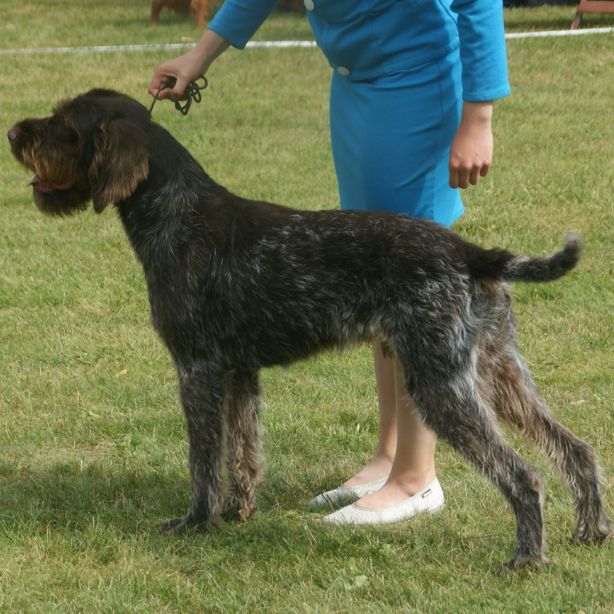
(256, 44)
(547, 33)
(142, 48)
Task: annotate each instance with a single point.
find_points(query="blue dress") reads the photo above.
(401, 71)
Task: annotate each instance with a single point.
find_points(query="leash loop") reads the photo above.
(193, 92)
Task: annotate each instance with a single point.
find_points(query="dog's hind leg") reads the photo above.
(201, 388)
(507, 383)
(450, 404)
(243, 438)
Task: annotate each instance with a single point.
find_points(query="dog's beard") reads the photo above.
(56, 186)
(61, 202)
(54, 165)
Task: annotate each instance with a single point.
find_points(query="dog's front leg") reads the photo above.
(201, 388)
(243, 439)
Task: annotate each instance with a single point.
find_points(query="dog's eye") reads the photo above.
(62, 132)
(71, 135)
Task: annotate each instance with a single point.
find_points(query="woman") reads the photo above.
(410, 113)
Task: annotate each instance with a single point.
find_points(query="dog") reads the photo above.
(199, 8)
(236, 285)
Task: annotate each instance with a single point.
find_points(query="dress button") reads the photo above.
(309, 5)
(343, 71)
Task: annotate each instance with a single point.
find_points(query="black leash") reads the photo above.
(192, 93)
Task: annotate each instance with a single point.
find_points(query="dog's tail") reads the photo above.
(503, 265)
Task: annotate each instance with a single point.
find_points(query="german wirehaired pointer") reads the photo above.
(236, 285)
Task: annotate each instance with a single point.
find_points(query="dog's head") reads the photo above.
(93, 147)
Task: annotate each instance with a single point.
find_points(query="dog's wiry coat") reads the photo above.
(236, 285)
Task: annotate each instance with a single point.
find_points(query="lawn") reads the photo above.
(92, 442)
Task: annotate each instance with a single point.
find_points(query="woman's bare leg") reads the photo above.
(414, 462)
(381, 463)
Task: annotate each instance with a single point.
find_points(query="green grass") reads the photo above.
(92, 442)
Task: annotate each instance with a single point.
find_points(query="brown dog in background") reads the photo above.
(199, 8)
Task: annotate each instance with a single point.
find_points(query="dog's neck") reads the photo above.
(169, 203)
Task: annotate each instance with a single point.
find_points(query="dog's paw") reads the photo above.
(236, 515)
(522, 562)
(231, 515)
(238, 511)
(187, 524)
(597, 535)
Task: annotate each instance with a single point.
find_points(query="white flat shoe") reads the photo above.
(345, 494)
(429, 500)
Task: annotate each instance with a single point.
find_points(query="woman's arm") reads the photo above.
(484, 77)
(188, 67)
(234, 24)
(472, 148)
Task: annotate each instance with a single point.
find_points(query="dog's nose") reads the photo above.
(12, 135)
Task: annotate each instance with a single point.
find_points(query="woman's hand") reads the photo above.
(472, 148)
(187, 67)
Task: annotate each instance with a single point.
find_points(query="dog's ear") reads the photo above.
(120, 162)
